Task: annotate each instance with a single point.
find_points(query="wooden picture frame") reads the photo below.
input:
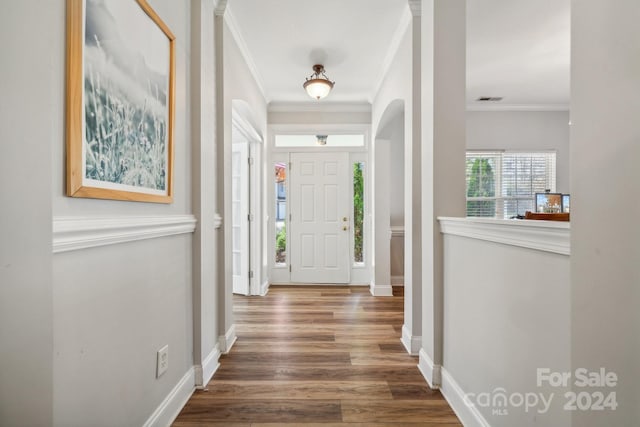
(120, 104)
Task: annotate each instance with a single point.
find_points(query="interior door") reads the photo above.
(240, 217)
(320, 218)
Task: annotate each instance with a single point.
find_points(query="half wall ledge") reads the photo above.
(546, 236)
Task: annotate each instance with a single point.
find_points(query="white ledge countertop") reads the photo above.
(547, 236)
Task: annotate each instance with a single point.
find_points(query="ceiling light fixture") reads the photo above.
(318, 84)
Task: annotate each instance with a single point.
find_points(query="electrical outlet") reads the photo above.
(162, 361)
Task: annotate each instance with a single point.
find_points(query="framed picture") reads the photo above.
(548, 202)
(120, 101)
(566, 203)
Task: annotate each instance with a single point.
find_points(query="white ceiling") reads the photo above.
(516, 49)
(286, 37)
(519, 50)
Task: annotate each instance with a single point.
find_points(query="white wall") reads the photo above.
(523, 130)
(396, 177)
(605, 184)
(396, 202)
(29, 106)
(506, 313)
(115, 306)
(204, 185)
(237, 84)
(393, 133)
(319, 117)
(443, 75)
(80, 329)
(398, 85)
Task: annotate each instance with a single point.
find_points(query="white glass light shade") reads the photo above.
(318, 88)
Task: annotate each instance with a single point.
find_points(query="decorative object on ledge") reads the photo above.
(557, 216)
(548, 202)
(318, 84)
(120, 101)
(566, 203)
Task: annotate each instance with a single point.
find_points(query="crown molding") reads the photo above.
(416, 7)
(319, 107)
(244, 49)
(518, 107)
(392, 51)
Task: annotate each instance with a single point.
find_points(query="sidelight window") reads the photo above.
(281, 213)
(358, 212)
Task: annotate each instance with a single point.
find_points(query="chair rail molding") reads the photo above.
(81, 232)
(397, 230)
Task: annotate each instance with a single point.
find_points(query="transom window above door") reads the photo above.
(319, 140)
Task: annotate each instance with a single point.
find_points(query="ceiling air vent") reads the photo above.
(489, 99)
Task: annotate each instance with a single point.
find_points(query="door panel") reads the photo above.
(240, 217)
(319, 205)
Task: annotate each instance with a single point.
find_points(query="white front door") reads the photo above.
(320, 218)
(240, 217)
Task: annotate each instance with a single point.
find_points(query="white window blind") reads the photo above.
(503, 183)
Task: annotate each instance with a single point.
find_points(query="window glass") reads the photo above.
(358, 212)
(281, 213)
(503, 184)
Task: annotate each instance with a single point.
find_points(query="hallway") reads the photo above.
(318, 355)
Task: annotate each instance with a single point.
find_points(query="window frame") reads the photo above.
(500, 198)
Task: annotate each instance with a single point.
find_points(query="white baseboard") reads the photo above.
(411, 343)
(171, 406)
(466, 412)
(303, 284)
(210, 365)
(380, 290)
(227, 340)
(430, 371)
(264, 288)
(397, 280)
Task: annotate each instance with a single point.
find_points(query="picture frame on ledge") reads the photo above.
(120, 102)
(548, 202)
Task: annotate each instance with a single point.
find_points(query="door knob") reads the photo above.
(345, 228)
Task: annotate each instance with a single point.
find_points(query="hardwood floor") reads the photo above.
(317, 356)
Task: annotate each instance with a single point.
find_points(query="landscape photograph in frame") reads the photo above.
(120, 101)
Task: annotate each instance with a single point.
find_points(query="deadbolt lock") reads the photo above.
(345, 218)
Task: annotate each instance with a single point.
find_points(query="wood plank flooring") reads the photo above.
(317, 356)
